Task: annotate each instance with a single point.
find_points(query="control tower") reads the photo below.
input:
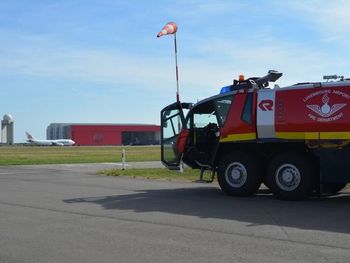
(7, 133)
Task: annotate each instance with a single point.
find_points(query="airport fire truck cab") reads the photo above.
(295, 140)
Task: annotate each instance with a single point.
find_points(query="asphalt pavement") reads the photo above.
(69, 213)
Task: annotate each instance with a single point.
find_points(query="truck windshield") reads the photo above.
(214, 111)
(201, 120)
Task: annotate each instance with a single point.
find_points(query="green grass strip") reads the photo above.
(158, 173)
(19, 155)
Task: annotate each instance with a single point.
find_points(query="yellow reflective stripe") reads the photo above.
(312, 135)
(239, 137)
(334, 135)
(290, 136)
(297, 135)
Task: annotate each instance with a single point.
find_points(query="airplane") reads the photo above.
(59, 142)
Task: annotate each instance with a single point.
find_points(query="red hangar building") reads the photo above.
(105, 134)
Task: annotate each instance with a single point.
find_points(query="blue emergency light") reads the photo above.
(226, 89)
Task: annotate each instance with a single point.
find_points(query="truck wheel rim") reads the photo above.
(288, 177)
(236, 174)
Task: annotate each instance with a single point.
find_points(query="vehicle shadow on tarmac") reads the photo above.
(324, 214)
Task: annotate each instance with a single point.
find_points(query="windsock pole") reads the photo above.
(177, 71)
(171, 28)
(178, 96)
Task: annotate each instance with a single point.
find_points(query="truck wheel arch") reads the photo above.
(292, 175)
(239, 173)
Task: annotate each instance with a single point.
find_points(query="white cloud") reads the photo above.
(89, 64)
(221, 61)
(212, 62)
(330, 17)
(299, 63)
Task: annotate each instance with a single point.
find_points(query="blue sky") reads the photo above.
(100, 61)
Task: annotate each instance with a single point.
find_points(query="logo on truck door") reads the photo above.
(266, 105)
(325, 110)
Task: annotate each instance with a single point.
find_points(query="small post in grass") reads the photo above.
(123, 158)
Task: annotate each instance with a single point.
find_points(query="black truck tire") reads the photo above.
(291, 176)
(239, 174)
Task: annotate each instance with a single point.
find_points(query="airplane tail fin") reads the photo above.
(29, 137)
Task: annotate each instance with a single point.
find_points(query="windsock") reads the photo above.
(169, 28)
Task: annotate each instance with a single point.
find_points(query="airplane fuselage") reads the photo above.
(60, 142)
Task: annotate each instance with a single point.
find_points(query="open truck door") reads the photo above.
(172, 120)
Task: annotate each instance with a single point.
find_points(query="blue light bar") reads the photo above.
(226, 89)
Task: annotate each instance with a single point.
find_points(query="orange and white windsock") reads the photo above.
(169, 28)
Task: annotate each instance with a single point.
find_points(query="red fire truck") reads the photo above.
(295, 140)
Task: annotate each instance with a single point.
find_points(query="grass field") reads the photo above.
(19, 155)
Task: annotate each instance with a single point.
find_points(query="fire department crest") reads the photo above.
(325, 110)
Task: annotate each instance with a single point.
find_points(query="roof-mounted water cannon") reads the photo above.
(272, 76)
(254, 82)
(333, 77)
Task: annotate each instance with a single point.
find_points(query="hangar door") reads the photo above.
(140, 138)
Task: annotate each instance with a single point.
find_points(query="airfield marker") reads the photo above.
(123, 158)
